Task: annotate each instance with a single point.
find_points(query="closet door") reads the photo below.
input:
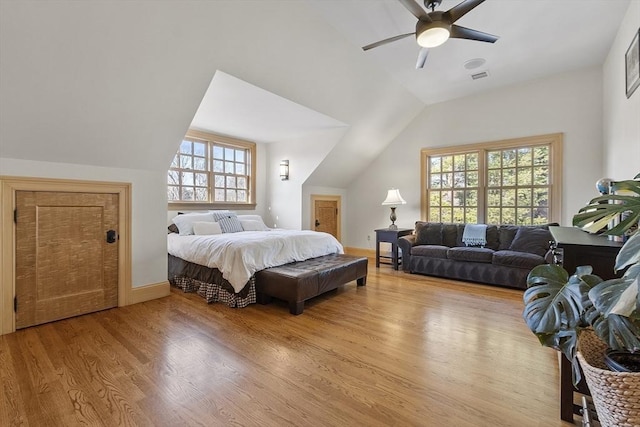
(66, 255)
(325, 214)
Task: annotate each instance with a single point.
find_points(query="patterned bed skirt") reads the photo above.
(212, 292)
(209, 283)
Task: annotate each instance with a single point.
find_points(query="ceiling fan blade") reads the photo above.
(458, 32)
(458, 11)
(385, 41)
(422, 58)
(415, 9)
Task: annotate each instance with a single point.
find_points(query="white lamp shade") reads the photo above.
(394, 198)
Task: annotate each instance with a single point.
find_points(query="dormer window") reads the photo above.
(212, 171)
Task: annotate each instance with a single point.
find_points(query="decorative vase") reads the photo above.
(616, 395)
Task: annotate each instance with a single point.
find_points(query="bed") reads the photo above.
(221, 266)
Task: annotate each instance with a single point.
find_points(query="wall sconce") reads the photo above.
(284, 170)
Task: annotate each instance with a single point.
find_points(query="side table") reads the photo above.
(388, 235)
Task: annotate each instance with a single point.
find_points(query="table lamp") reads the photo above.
(393, 199)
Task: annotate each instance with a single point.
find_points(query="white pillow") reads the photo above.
(252, 225)
(251, 217)
(185, 221)
(257, 218)
(206, 228)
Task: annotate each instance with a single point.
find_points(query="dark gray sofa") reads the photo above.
(436, 249)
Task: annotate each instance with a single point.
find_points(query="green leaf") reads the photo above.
(633, 272)
(567, 343)
(553, 301)
(629, 185)
(599, 213)
(619, 332)
(604, 209)
(555, 306)
(616, 304)
(630, 252)
(615, 296)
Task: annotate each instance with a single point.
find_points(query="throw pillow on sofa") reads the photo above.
(492, 238)
(428, 233)
(508, 232)
(506, 235)
(451, 237)
(532, 240)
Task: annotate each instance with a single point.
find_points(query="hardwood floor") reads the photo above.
(405, 350)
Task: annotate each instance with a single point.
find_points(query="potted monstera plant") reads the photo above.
(563, 309)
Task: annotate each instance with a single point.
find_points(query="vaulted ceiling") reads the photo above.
(536, 39)
(117, 84)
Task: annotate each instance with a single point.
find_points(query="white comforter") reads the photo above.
(239, 255)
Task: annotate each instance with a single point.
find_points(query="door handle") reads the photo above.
(112, 236)
(317, 223)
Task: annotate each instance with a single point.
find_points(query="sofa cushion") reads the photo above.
(517, 259)
(428, 233)
(506, 234)
(450, 235)
(433, 251)
(470, 254)
(459, 242)
(492, 237)
(531, 239)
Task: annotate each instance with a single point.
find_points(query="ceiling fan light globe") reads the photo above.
(433, 37)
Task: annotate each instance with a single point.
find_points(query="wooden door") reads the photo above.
(64, 265)
(326, 216)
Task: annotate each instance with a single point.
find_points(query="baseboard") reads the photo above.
(369, 253)
(149, 292)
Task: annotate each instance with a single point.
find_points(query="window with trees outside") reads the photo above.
(211, 170)
(516, 181)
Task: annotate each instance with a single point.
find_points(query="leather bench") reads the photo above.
(299, 281)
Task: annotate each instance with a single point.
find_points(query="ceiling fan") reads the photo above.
(434, 28)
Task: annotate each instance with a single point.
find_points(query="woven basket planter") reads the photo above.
(616, 395)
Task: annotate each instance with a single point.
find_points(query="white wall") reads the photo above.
(109, 83)
(285, 197)
(116, 84)
(149, 193)
(309, 190)
(570, 103)
(621, 121)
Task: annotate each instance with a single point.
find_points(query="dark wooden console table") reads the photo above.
(581, 248)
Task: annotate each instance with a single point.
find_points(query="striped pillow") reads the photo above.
(229, 222)
(219, 214)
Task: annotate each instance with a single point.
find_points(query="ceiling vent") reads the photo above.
(480, 75)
